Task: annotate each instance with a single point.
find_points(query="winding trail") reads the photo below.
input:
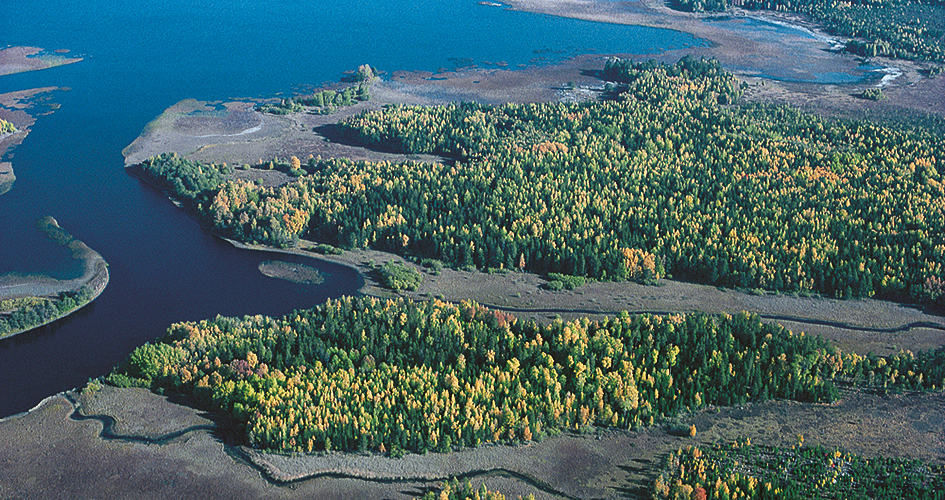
(108, 424)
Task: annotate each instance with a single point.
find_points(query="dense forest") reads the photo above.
(663, 180)
(904, 29)
(396, 375)
(743, 470)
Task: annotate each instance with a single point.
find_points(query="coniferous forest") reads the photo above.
(902, 29)
(670, 178)
(398, 375)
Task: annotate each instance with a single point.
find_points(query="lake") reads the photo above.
(140, 58)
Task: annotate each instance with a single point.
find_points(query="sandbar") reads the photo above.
(290, 271)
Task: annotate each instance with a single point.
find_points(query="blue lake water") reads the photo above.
(142, 57)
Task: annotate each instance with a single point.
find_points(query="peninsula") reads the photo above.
(15, 119)
(31, 301)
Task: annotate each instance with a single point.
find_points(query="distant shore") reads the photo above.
(13, 105)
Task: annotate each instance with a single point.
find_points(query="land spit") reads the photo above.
(94, 276)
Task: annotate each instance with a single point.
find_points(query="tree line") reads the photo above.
(904, 29)
(744, 470)
(326, 100)
(395, 375)
(17, 315)
(664, 180)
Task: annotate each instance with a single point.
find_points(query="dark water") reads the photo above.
(140, 58)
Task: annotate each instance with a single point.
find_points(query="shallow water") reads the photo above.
(804, 56)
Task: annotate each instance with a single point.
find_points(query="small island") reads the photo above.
(20, 59)
(31, 301)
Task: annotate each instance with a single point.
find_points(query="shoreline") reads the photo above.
(854, 325)
(95, 278)
(13, 108)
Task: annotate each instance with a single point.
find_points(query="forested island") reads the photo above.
(726, 224)
(670, 176)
